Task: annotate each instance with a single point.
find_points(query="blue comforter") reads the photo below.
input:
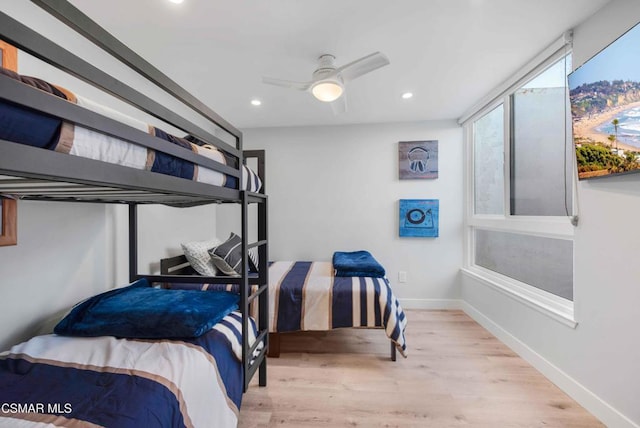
(140, 311)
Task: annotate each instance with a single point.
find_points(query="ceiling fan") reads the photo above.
(328, 81)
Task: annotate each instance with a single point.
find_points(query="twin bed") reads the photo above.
(308, 296)
(56, 145)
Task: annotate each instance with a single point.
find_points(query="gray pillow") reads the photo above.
(227, 256)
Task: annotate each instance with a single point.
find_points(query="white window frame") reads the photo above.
(559, 227)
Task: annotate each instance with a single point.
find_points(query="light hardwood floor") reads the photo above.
(457, 374)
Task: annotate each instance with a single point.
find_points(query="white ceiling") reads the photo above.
(449, 53)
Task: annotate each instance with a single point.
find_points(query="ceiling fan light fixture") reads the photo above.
(328, 82)
(327, 90)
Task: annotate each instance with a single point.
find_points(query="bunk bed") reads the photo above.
(217, 366)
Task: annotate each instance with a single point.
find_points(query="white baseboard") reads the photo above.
(431, 303)
(587, 399)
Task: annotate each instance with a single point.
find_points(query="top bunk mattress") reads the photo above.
(26, 126)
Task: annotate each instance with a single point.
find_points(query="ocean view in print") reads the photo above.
(605, 107)
(628, 127)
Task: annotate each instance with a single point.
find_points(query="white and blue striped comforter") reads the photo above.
(103, 381)
(307, 296)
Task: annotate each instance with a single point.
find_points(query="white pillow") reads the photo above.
(197, 253)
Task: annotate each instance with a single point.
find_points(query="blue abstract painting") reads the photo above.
(419, 217)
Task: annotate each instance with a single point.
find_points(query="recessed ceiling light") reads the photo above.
(407, 95)
(256, 102)
(176, 1)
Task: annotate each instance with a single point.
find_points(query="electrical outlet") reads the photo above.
(402, 276)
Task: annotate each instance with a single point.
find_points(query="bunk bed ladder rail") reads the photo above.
(253, 360)
(250, 365)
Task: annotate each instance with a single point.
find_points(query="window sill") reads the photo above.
(551, 227)
(554, 307)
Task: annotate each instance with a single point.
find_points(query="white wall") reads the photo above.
(598, 362)
(61, 258)
(337, 189)
(67, 252)
(161, 230)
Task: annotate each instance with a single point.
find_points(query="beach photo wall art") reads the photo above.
(418, 159)
(604, 94)
(419, 217)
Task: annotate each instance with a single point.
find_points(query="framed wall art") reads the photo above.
(419, 218)
(605, 108)
(418, 159)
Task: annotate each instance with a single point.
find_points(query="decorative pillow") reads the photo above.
(140, 311)
(197, 254)
(253, 259)
(228, 256)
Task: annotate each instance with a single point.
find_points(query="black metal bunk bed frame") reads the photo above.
(37, 174)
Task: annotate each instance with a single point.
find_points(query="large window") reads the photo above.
(520, 236)
(541, 159)
(544, 263)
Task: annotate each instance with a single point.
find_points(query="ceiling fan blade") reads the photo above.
(362, 66)
(339, 106)
(301, 86)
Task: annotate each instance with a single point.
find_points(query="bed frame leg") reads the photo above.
(262, 374)
(274, 345)
(393, 351)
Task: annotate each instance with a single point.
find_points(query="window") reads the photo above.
(540, 157)
(488, 151)
(519, 235)
(545, 263)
